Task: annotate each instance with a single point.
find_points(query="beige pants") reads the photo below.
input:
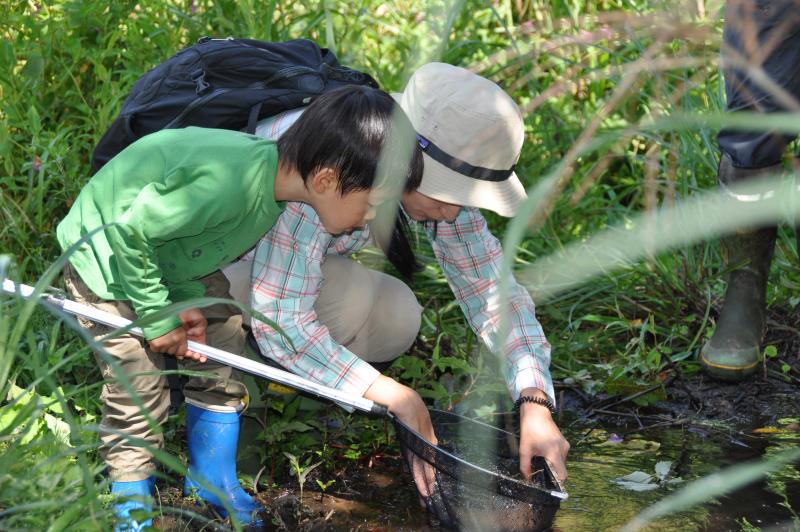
(123, 418)
(374, 315)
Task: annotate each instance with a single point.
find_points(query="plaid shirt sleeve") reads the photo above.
(287, 279)
(471, 258)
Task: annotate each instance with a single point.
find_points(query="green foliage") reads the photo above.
(641, 481)
(48, 466)
(589, 76)
(300, 471)
(81, 59)
(712, 486)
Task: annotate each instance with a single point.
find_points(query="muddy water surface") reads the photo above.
(597, 503)
(383, 498)
(378, 494)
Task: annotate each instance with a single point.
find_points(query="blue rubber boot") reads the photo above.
(213, 438)
(139, 500)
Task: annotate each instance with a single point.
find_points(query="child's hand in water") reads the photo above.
(175, 342)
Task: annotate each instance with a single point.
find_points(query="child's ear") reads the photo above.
(323, 180)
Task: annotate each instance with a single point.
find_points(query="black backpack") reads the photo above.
(225, 83)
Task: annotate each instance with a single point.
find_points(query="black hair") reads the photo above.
(395, 238)
(346, 129)
(399, 252)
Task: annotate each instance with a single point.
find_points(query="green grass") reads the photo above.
(588, 75)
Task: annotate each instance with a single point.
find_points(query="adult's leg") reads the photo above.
(374, 315)
(733, 351)
(239, 275)
(765, 36)
(761, 52)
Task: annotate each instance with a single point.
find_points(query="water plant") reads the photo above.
(641, 481)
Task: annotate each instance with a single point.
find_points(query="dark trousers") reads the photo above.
(767, 34)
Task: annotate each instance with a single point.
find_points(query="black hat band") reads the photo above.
(462, 167)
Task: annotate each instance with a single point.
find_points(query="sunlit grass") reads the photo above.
(622, 100)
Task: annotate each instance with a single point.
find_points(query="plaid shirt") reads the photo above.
(287, 279)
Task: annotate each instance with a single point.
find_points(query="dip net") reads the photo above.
(474, 482)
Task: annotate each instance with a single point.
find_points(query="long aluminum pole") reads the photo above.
(217, 355)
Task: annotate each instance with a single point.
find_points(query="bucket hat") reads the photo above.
(471, 134)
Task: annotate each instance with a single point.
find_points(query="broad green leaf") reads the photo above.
(636, 481)
(636, 476)
(637, 486)
(34, 67)
(59, 428)
(711, 486)
(663, 468)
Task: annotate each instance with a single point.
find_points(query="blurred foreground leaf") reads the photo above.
(712, 486)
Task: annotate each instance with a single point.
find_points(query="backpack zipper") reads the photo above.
(290, 72)
(282, 74)
(176, 122)
(285, 73)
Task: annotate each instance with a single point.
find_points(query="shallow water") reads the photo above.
(597, 503)
(383, 497)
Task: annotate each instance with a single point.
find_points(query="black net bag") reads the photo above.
(476, 483)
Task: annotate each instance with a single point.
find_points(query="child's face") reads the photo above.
(343, 213)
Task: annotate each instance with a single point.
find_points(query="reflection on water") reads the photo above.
(596, 503)
(384, 497)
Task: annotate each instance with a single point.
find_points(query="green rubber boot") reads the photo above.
(733, 351)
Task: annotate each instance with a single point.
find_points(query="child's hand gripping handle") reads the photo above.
(175, 342)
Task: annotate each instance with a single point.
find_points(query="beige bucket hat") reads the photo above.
(471, 133)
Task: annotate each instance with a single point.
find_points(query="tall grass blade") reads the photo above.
(712, 486)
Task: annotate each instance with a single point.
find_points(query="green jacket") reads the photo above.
(183, 203)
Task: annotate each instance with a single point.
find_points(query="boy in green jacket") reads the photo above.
(174, 207)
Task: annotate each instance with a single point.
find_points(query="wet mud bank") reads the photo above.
(699, 426)
(364, 497)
